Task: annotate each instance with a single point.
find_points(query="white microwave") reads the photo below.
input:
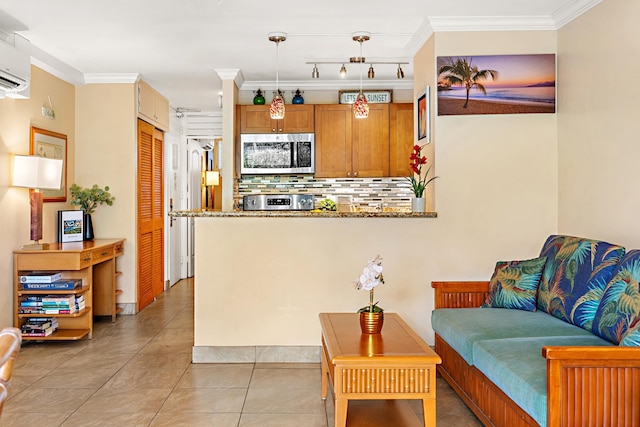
(282, 153)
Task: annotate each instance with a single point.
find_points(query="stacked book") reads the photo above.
(80, 304)
(31, 305)
(39, 327)
(49, 282)
(59, 304)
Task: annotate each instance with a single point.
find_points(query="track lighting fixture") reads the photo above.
(315, 73)
(343, 71)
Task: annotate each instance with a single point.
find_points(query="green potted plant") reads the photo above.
(88, 199)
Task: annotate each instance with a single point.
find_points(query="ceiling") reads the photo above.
(179, 46)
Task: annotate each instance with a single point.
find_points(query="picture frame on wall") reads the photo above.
(70, 226)
(52, 145)
(424, 116)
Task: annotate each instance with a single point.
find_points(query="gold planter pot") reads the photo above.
(371, 323)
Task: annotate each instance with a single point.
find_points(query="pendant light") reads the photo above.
(276, 110)
(361, 106)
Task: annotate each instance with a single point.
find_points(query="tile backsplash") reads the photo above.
(365, 192)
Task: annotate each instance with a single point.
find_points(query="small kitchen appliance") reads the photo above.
(278, 202)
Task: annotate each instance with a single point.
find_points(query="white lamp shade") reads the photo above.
(212, 178)
(37, 172)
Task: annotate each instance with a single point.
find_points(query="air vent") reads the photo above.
(11, 83)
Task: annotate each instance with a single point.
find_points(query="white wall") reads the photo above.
(599, 124)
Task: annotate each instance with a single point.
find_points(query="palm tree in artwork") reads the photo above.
(462, 72)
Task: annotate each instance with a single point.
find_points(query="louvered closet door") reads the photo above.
(150, 214)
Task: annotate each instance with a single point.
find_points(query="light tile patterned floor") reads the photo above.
(138, 372)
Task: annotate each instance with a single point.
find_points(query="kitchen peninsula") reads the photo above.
(261, 278)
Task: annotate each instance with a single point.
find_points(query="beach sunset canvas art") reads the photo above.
(498, 84)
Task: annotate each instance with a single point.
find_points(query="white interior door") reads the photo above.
(194, 197)
(172, 180)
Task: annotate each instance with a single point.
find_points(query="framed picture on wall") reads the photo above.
(424, 116)
(51, 145)
(70, 226)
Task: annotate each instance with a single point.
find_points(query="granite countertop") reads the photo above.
(301, 214)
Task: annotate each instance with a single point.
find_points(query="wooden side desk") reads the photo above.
(94, 262)
(395, 364)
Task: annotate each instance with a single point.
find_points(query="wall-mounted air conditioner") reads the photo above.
(15, 70)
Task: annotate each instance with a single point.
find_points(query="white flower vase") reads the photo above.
(418, 204)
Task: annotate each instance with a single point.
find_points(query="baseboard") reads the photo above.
(256, 354)
(127, 308)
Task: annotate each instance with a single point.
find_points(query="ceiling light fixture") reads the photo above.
(361, 106)
(400, 73)
(343, 71)
(371, 74)
(315, 73)
(276, 109)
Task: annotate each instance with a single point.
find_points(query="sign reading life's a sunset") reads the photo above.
(498, 84)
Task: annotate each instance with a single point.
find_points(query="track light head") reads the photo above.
(371, 74)
(400, 73)
(343, 71)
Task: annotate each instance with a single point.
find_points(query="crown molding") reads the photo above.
(231, 74)
(491, 23)
(96, 78)
(572, 10)
(424, 33)
(54, 66)
(268, 85)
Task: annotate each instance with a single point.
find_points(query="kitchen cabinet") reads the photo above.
(350, 147)
(153, 107)
(401, 138)
(298, 118)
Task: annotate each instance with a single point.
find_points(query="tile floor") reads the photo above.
(137, 372)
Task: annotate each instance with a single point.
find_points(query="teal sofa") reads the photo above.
(552, 341)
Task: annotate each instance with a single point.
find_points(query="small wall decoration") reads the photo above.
(383, 96)
(498, 84)
(424, 116)
(70, 226)
(52, 145)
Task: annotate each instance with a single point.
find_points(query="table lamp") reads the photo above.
(211, 179)
(36, 173)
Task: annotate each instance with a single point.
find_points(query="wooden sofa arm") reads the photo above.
(596, 386)
(460, 294)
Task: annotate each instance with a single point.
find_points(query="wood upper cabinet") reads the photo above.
(401, 138)
(333, 140)
(350, 147)
(298, 118)
(152, 106)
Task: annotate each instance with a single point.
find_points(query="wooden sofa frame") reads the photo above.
(586, 386)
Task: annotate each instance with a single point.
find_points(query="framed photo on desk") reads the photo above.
(70, 226)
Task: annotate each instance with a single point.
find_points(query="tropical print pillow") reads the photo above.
(575, 276)
(620, 304)
(632, 337)
(514, 284)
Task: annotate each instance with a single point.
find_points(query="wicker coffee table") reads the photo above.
(395, 364)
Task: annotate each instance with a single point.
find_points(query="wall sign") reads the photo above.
(373, 96)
